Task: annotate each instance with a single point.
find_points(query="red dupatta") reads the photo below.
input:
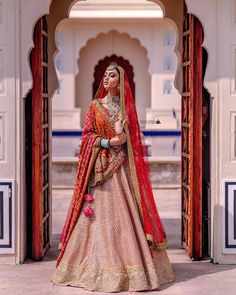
(152, 225)
(87, 156)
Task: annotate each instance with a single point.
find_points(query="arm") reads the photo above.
(89, 130)
(114, 141)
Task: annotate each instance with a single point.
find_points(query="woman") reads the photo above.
(113, 239)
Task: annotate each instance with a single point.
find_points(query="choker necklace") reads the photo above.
(112, 103)
(112, 98)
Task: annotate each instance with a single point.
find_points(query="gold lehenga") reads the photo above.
(109, 252)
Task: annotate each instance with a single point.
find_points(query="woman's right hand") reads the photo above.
(118, 139)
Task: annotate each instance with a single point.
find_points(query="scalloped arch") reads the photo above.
(88, 57)
(103, 34)
(59, 10)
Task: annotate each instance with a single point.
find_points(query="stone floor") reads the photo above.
(192, 278)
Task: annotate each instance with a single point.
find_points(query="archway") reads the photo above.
(76, 59)
(193, 218)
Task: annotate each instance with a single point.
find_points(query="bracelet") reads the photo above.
(105, 143)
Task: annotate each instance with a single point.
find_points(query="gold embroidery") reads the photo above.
(133, 170)
(154, 247)
(97, 142)
(114, 279)
(109, 252)
(110, 119)
(106, 165)
(108, 160)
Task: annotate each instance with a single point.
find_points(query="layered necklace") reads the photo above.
(112, 103)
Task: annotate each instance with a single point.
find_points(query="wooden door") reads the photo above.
(192, 137)
(40, 143)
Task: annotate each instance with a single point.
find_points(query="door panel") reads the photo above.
(192, 137)
(40, 143)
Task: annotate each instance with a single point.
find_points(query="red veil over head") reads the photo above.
(139, 165)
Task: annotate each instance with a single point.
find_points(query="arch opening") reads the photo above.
(110, 10)
(130, 52)
(52, 50)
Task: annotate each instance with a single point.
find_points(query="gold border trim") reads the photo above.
(129, 145)
(155, 247)
(100, 107)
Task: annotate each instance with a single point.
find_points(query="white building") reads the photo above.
(142, 37)
(165, 58)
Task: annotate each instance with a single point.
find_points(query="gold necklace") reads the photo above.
(113, 105)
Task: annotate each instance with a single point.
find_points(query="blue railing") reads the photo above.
(156, 133)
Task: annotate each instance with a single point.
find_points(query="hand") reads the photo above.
(118, 139)
(119, 126)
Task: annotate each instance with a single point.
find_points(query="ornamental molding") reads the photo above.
(59, 10)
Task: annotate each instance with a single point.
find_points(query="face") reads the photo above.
(111, 79)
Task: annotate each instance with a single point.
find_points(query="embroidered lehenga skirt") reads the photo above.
(108, 252)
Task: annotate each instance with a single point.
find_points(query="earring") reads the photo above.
(118, 87)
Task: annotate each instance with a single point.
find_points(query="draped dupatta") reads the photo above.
(90, 150)
(139, 166)
(87, 155)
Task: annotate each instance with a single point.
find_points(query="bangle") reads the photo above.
(105, 143)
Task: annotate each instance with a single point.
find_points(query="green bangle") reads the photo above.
(105, 143)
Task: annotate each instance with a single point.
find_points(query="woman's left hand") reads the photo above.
(119, 126)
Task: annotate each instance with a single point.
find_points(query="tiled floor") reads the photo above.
(192, 278)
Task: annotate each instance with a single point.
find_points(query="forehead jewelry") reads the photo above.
(113, 67)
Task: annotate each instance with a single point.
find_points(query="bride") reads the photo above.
(113, 239)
